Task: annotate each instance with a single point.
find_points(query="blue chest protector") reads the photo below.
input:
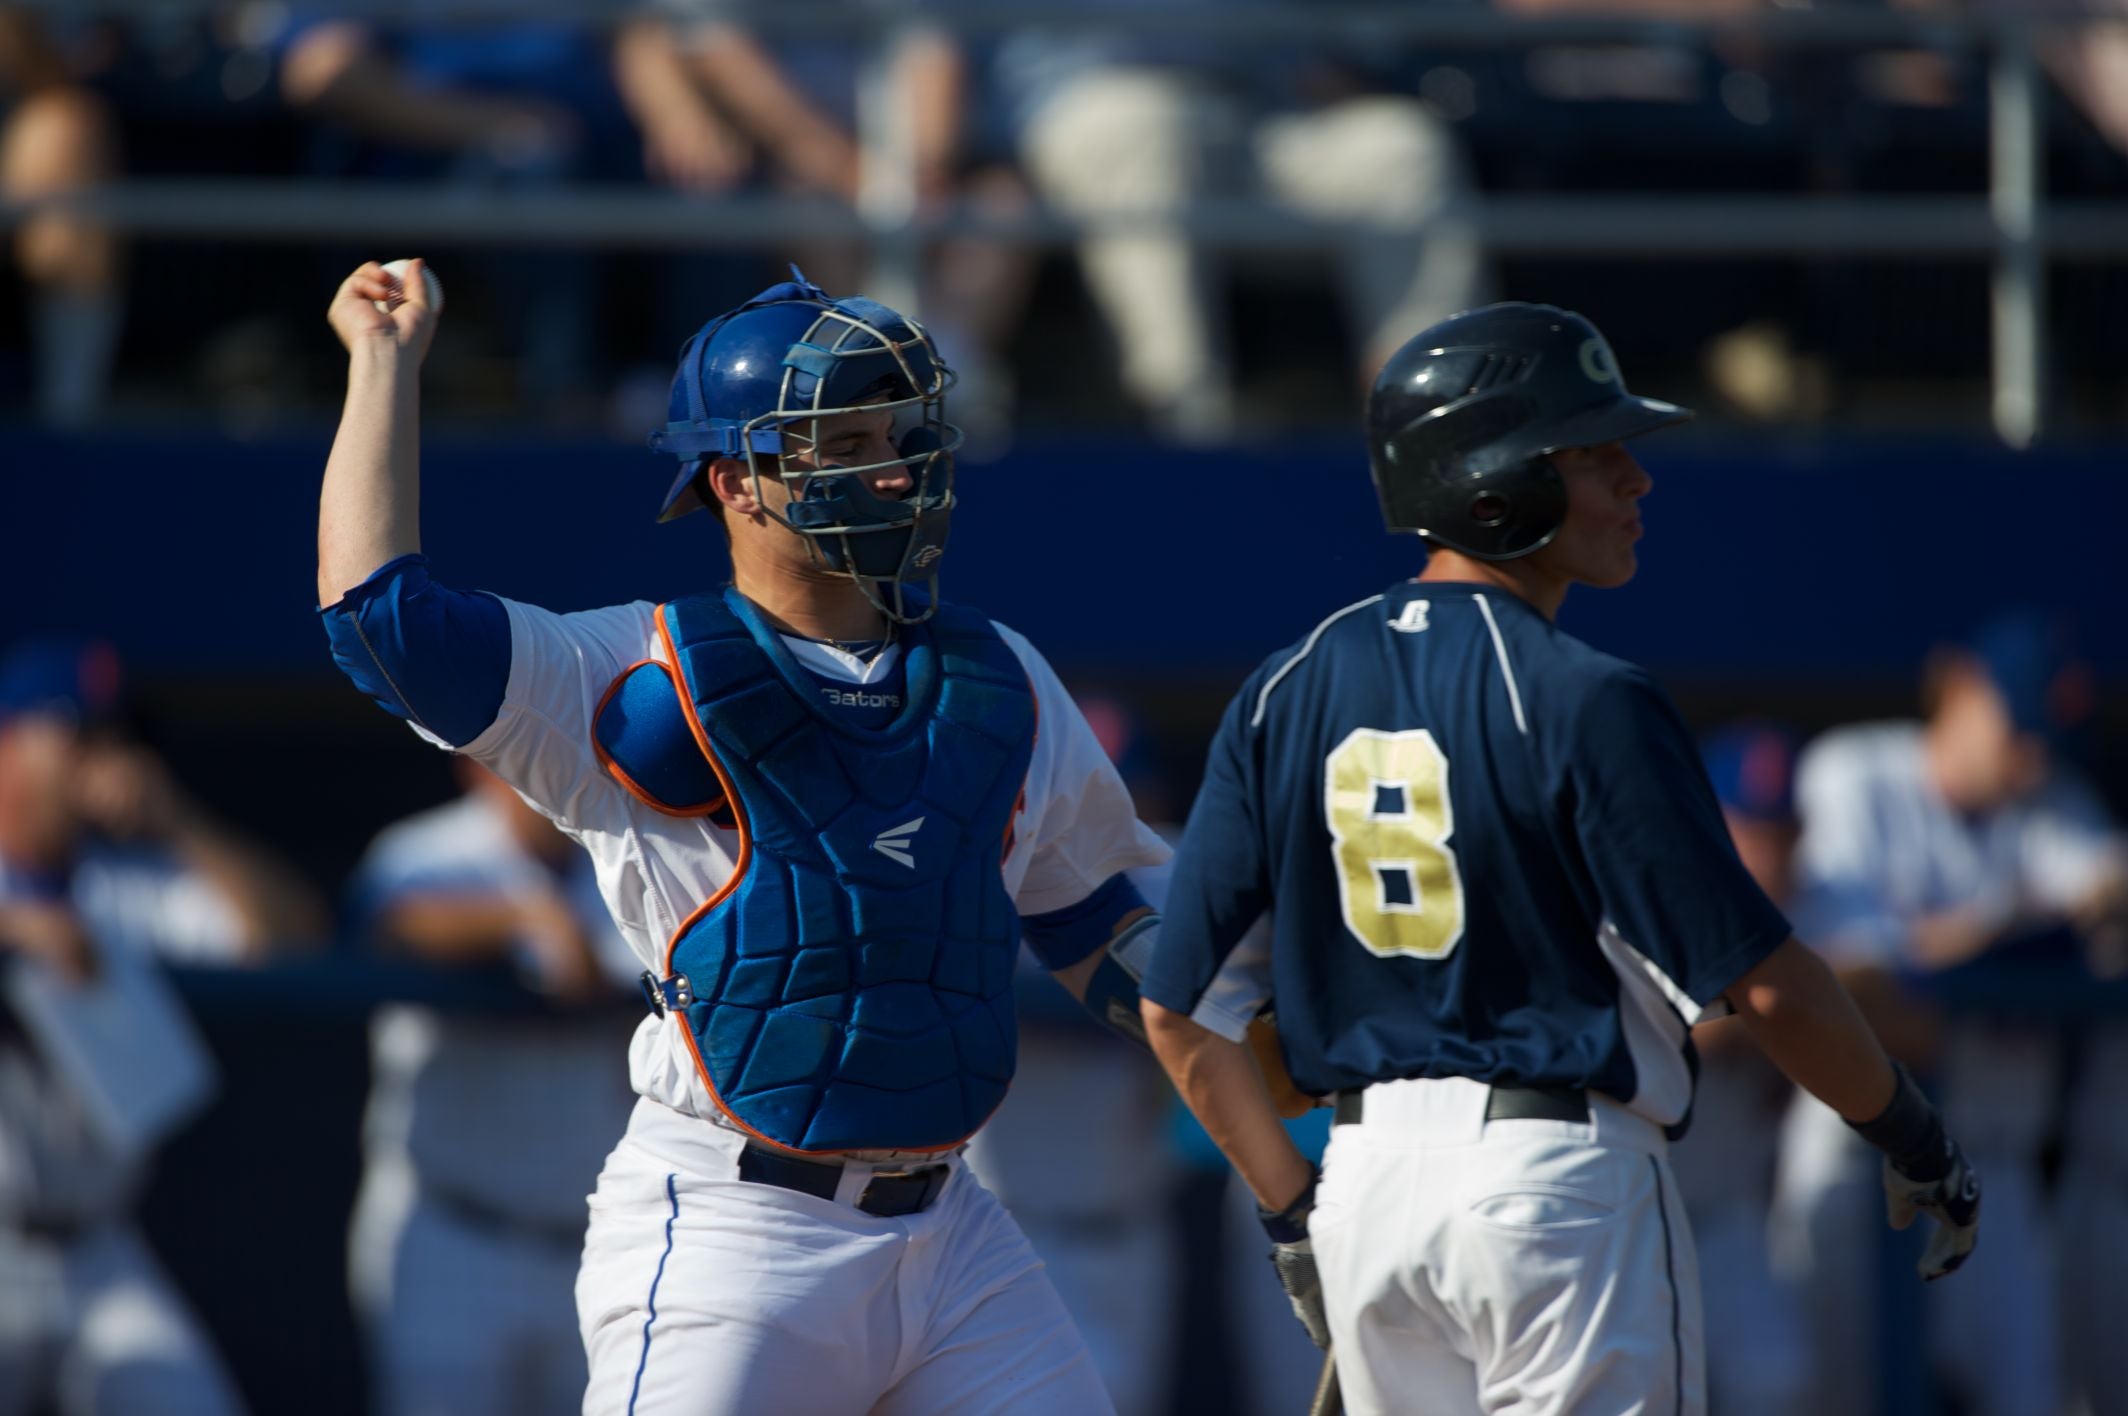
(851, 987)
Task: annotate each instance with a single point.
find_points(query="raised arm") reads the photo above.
(370, 509)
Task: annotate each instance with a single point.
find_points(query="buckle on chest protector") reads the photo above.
(666, 995)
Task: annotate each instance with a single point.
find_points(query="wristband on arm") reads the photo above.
(1290, 1225)
(1112, 991)
(1909, 1131)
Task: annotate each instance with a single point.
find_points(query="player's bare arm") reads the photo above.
(369, 509)
(1810, 1028)
(1220, 1083)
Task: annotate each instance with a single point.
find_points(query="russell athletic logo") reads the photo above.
(894, 842)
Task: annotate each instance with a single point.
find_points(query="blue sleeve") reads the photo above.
(1654, 840)
(437, 657)
(1063, 937)
(1221, 883)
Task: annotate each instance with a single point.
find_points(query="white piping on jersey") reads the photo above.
(1507, 670)
(1264, 697)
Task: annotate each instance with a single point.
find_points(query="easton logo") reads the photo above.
(894, 842)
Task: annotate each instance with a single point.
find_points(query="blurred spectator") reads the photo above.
(56, 137)
(104, 864)
(2090, 62)
(502, 106)
(1093, 1185)
(1935, 843)
(1122, 124)
(484, 1134)
(1757, 1364)
(784, 112)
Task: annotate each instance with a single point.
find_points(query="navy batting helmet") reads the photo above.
(1461, 419)
(793, 355)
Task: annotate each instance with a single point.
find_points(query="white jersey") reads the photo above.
(514, 1114)
(1077, 826)
(139, 902)
(1881, 848)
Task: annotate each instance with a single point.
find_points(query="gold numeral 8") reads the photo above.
(1386, 795)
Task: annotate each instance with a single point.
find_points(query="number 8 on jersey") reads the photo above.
(1386, 797)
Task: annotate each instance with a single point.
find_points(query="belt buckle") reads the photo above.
(933, 1178)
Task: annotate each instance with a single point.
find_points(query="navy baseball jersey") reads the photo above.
(1486, 850)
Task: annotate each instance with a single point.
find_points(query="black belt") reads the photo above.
(1501, 1104)
(889, 1194)
(493, 1219)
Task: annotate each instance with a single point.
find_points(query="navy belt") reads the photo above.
(889, 1194)
(1501, 1104)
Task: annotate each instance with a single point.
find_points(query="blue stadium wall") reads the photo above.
(1764, 558)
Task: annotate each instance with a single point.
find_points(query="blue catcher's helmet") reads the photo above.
(793, 355)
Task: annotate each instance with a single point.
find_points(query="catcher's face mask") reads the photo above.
(778, 383)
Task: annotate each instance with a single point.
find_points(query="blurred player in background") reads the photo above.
(57, 136)
(1500, 893)
(1757, 1362)
(105, 864)
(797, 793)
(1944, 840)
(1113, 123)
(517, 104)
(2091, 1206)
(484, 1134)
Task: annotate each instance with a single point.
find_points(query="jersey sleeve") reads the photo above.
(1220, 889)
(1079, 826)
(437, 657)
(560, 668)
(1668, 879)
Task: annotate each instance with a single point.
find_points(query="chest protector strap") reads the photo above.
(850, 985)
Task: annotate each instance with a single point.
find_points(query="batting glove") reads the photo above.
(1925, 1173)
(1952, 1199)
(1294, 1257)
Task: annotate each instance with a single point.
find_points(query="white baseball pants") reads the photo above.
(705, 1294)
(1523, 1266)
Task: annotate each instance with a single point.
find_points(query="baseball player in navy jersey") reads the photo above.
(1500, 894)
(822, 816)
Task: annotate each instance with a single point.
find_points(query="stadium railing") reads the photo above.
(2013, 225)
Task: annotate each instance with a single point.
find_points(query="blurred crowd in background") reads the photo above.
(701, 98)
(329, 1152)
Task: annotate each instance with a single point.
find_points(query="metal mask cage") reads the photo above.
(922, 411)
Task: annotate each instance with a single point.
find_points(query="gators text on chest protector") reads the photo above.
(850, 987)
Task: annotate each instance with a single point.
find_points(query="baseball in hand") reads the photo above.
(397, 271)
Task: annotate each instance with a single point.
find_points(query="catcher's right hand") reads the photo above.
(1952, 1199)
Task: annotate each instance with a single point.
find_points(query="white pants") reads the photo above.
(476, 1321)
(1992, 1332)
(1758, 1363)
(1138, 140)
(712, 1296)
(1506, 1266)
(92, 1327)
(1091, 1187)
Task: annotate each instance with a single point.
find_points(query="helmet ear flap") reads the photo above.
(1412, 464)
